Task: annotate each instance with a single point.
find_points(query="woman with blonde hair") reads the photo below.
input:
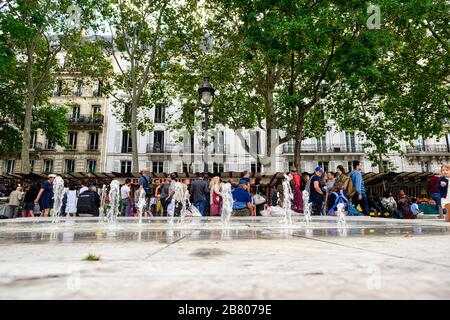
(444, 189)
(215, 198)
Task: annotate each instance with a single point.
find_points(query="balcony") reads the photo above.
(314, 148)
(428, 149)
(180, 148)
(86, 120)
(92, 147)
(37, 146)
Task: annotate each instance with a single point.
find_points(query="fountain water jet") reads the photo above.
(113, 210)
(102, 194)
(340, 213)
(58, 192)
(227, 204)
(141, 204)
(288, 197)
(307, 207)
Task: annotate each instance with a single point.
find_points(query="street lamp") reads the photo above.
(206, 97)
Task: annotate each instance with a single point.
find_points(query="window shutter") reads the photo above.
(116, 166)
(166, 167)
(117, 145)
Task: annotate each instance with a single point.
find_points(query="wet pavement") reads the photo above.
(253, 258)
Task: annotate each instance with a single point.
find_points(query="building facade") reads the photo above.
(86, 131)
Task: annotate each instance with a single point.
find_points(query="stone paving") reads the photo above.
(253, 259)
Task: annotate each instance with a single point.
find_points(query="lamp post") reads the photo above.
(206, 97)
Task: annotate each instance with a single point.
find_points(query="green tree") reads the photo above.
(36, 31)
(143, 46)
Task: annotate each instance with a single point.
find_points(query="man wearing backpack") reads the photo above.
(145, 183)
(359, 196)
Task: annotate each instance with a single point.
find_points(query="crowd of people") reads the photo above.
(320, 192)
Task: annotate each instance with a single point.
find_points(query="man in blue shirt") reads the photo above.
(316, 192)
(360, 195)
(145, 183)
(242, 205)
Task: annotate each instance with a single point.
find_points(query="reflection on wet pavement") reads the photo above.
(90, 230)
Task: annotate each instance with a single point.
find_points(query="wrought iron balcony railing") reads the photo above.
(334, 148)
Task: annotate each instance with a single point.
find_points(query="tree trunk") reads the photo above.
(31, 95)
(299, 138)
(133, 128)
(380, 163)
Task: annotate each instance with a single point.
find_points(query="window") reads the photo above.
(78, 89)
(322, 144)
(325, 165)
(158, 141)
(217, 167)
(125, 167)
(69, 166)
(421, 146)
(33, 140)
(58, 88)
(349, 166)
(97, 88)
(289, 146)
(93, 141)
(127, 113)
(160, 113)
(48, 166)
(75, 113)
(350, 145)
(219, 145)
(9, 166)
(255, 142)
(91, 166)
(126, 141)
(72, 140)
(96, 110)
(49, 145)
(158, 166)
(187, 168)
(255, 167)
(425, 165)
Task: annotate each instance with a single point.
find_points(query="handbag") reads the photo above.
(259, 199)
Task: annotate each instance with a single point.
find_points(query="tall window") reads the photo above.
(349, 166)
(127, 113)
(49, 145)
(78, 89)
(217, 167)
(158, 141)
(325, 165)
(75, 112)
(58, 88)
(9, 166)
(219, 143)
(33, 140)
(425, 166)
(97, 88)
(69, 166)
(126, 141)
(421, 145)
(350, 144)
(48, 166)
(125, 166)
(72, 140)
(255, 167)
(93, 141)
(322, 144)
(96, 110)
(160, 116)
(158, 166)
(92, 166)
(255, 142)
(187, 168)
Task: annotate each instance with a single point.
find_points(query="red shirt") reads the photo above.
(297, 180)
(432, 184)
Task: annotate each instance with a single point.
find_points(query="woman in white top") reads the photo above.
(71, 206)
